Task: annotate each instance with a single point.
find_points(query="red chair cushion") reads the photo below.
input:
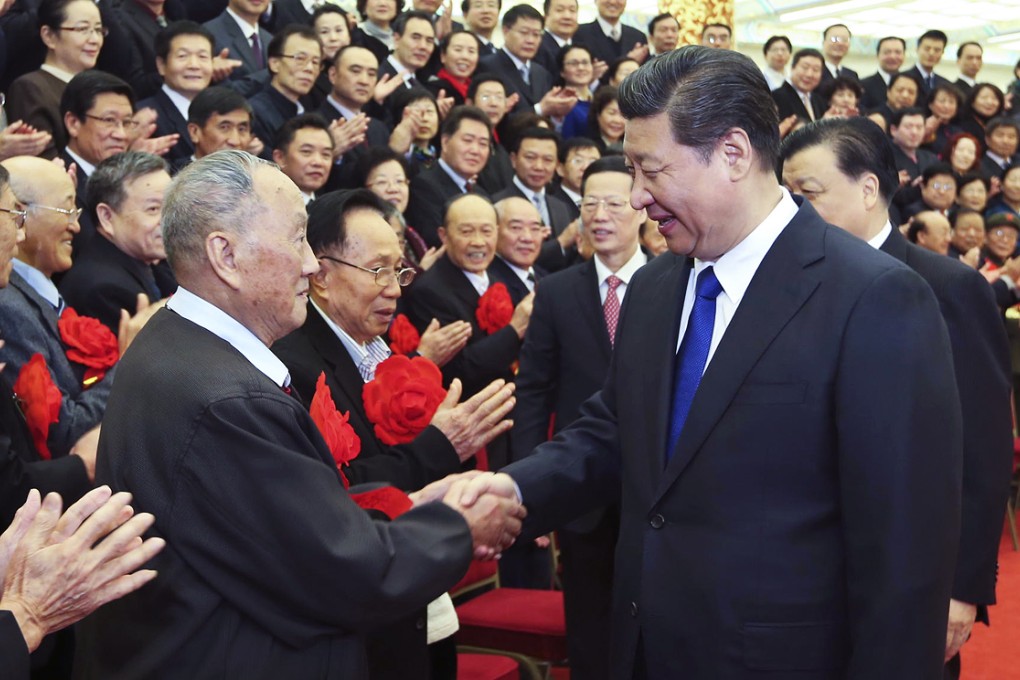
(529, 622)
(486, 667)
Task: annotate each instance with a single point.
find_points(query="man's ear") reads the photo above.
(442, 235)
(194, 132)
(104, 213)
(222, 251)
(736, 147)
(870, 191)
(72, 124)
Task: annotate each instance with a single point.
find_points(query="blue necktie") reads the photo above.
(693, 354)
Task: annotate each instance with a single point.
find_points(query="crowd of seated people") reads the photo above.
(473, 141)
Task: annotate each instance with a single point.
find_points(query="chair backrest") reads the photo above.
(479, 575)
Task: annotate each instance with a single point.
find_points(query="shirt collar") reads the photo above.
(57, 72)
(528, 193)
(559, 41)
(357, 350)
(246, 28)
(517, 62)
(969, 81)
(607, 27)
(309, 5)
(737, 267)
(181, 102)
(344, 111)
(83, 164)
(624, 273)
(39, 282)
(924, 72)
(398, 67)
(878, 240)
(480, 282)
(227, 328)
(572, 195)
(522, 274)
(454, 175)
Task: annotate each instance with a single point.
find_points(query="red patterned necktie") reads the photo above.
(611, 307)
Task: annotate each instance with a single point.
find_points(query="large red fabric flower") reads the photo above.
(388, 500)
(495, 309)
(343, 441)
(402, 399)
(404, 336)
(89, 343)
(40, 401)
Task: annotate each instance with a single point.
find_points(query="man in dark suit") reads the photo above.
(930, 47)
(184, 53)
(218, 118)
(126, 194)
(969, 59)
(608, 38)
(465, 136)
(833, 162)
(481, 17)
(450, 290)
(565, 360)
(795, 490)
(835, 45)
(286, 12)
(797, 96)
(890, 52)
(413, 45)
(517, 246)
(237, 30)
(141, 24)
(253, 461)
(1002, 137)
(534, 162)
(560, 26)
(515, 64)
(906, 129)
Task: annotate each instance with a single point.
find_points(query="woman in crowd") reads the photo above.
(844, 96)
(73, 33)
(1007, 200)
(618, 70)
(577, 72)
(972, 192)
(414, 136)
(458, 54)
(605, 122)
(374, 32)
(944, 105)
(985, 102)
(963, 152)
(385, 174)
(331, 24)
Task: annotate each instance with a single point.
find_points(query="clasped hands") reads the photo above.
(489, 503)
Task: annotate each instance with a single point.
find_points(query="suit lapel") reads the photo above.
(588, 303)
(765, 309)
(342, 370)
(514, 75)
(45, 309)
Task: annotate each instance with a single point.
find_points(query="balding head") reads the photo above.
(469, 232)
(520, 231)
(45, 190)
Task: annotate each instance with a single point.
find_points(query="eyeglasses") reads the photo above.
(301, 60)
(528, 33)
(576, 63)
(581, 160)
(86, 31)
(1009, 234)
(385, 183)
(384, 276)
(112, 123)
(72, 214)
(838, 39)
(19, 216)
(494, 98)
(615, 205)
(939, 186)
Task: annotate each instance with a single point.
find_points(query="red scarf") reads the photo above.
(461, 85)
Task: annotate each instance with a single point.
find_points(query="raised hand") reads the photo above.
(557, 102)
(430, 257)
(639, 52)
(130, 324)
(474, 423)
(522, 314)
(347, 134)
(440, 344)
(20, 139)
(387, 85)
(223, 65)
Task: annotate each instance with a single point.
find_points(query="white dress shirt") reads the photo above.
(624, 273)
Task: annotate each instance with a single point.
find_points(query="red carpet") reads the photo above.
(993, 653)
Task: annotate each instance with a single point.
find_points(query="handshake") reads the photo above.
(489, 503)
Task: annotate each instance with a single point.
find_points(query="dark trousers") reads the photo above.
(952, 671)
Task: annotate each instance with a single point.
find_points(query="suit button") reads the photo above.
(657, 521)
(420, 624)
(633, 609)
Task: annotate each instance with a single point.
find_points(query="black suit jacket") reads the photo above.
(843, 71)
(531, 93)
(272, 109)
(602, 46)
(789, 103)
(170, 121)
(812, 502)
(343, 175)
(547, 51)
(922, 85)
(271, 569)
(287, 12)
(228, 34)
(313, 349)
(141, 29)
(104, 280)
(875, 92)
(500, 272)
(430, 190)
(559, 213)
(12, 648)
(444, 293)
(963, 86)
(983, 376)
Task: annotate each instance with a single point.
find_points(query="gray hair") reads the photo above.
(106, 183)
(215, 193)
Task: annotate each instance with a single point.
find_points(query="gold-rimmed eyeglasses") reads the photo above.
(383, 275)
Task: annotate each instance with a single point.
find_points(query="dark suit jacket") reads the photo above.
(430, 190)
(343, 176)
(12, 648)
(273, 571)
(104, 280)
(30, 326)
(989, 168)
(290, 12)
(22, 469)
(790, 104)
(914, 168)
(444, 293)
(812, 501)
(983, 376)
(531, 93)
(843, 70)
(228, 34)
(170, 121)
(602, 47)
(500, 272)
(559, 212)
(35, 99)
(963, 86)
(272, 109)
(313, 349)
(547, 51)
(141, 29)
(497, 173)
(922, 85)
(875, 92)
